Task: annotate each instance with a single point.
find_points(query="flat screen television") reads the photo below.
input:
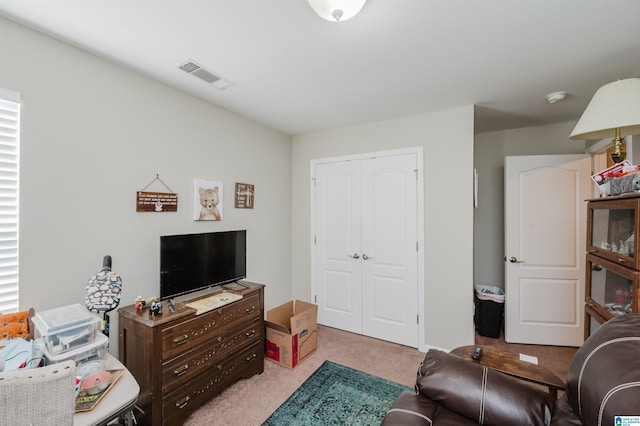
(193, 262)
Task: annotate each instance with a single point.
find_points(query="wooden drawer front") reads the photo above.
(179, 404)
(189, 365)
(203, 327)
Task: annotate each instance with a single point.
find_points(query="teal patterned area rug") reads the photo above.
(338, 395)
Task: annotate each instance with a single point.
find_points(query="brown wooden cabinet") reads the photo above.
(613, 262)
(181, 360)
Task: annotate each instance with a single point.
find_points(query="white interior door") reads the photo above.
(545, 227)
(366, 267)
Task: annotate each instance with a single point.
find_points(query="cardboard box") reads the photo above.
(292, 332)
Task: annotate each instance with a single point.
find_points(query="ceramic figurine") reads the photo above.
(618, 298)
(156, 307)
(139, 303)
(624, 249)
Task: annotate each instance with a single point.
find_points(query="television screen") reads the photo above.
(197, 261)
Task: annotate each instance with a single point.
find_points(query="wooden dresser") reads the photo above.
(181, 360)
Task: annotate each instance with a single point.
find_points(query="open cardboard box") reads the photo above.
(292, 330)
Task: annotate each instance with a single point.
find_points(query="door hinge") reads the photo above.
(314, 240)
(417, 246)
(416, 172)
(314, 181)
(417, 318)
(315, 299)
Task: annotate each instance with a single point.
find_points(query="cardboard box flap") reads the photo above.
(281, 315)
(304, 314)
(278, 327)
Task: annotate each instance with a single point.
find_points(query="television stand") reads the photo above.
(239, 286)
(181, 360)
(240, 282)
(172, 305)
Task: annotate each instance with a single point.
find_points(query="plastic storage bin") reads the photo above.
(89, 352)
(489, 308)
(66, 328)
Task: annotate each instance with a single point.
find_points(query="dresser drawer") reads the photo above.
(186, 335)
(179, 404)
(189, 365)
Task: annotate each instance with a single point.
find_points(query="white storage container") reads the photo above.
(66, 328)
(93, 351)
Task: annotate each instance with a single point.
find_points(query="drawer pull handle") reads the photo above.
(250, 333)
(181, 370)
(251, 309)
(621, 260)
(183, 402)
(251, 357)
(180, 339)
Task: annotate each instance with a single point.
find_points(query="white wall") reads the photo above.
(93, 134)
(447, 138)
(490, 151)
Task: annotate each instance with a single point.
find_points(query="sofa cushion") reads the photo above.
(604, 376)
(481, 394)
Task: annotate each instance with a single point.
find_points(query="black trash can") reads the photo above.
(489, 309)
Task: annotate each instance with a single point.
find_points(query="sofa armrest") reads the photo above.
(410, 409)
(481, 394)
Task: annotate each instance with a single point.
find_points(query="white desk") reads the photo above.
(117, 402)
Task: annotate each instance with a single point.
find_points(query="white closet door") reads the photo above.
(389, 249)
(366, 246)
(337, 246)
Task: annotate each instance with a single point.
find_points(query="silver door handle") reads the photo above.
(354, 255)
(365, 257)
(514, 259)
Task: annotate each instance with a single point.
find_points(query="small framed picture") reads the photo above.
(207, 199)
(244, 195)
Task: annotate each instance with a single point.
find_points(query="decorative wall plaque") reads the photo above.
(244, 195)
(156, 201)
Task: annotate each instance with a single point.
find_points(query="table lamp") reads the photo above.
(613, 112)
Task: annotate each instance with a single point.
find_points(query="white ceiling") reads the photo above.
(298, 73)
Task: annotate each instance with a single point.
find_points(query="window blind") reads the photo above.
(9, 168)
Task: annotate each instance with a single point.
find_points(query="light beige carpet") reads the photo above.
(250, 402)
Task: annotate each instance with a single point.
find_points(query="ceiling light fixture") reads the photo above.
(337, 10)
(554, 97)
(614, 112)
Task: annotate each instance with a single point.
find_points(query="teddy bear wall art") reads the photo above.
(208, 200)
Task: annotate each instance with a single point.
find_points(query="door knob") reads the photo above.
(365, 257)
(354, 255)
(514, 259)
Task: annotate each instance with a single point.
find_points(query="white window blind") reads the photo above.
(9, 168)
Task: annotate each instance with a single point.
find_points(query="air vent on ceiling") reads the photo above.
(203, 74)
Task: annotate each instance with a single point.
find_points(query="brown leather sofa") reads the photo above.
(603, 383)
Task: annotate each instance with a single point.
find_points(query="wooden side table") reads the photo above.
(510, 363)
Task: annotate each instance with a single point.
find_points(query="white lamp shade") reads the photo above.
(614, 105)
(327, 9)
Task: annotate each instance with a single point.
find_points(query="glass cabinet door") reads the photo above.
(612, 232)
(610, 287)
